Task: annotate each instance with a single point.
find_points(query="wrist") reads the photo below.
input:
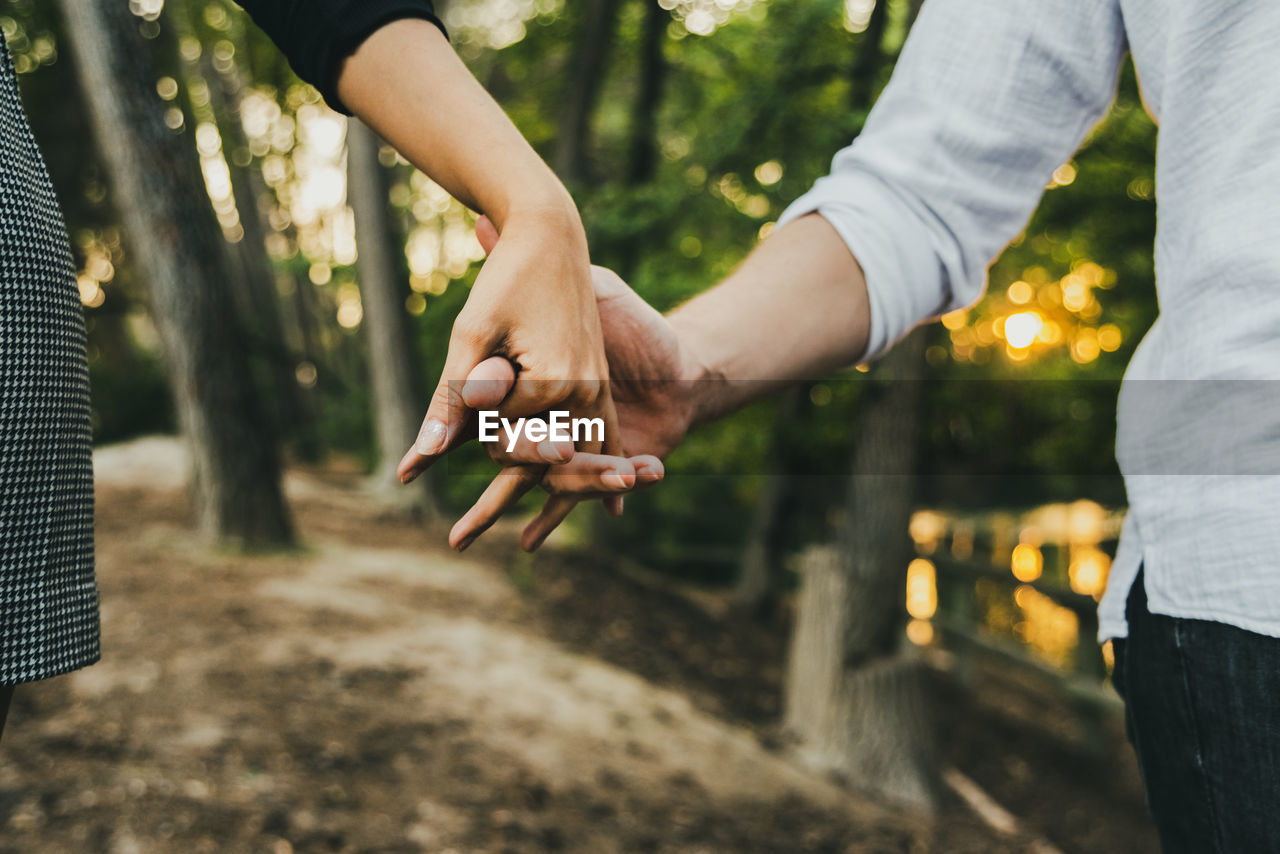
(548, 211)
(553, 233)
(703, 388)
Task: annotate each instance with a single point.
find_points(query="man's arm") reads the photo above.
(989, 97)
(795, 310)
(987, 100)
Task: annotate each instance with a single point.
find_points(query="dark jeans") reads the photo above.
(1202, 706)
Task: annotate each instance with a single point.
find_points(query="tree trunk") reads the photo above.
(303, 338)
(643, 156)
(398, 409)
(855, 703)
(182, 256)
(868, 59)
(585, 74)
(259, 307)
(757, 583)
(759, 571)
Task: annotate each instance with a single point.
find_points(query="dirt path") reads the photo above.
(377, 693)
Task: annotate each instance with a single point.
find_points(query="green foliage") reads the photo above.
(129, 403)
(777, 87)
(748, 117)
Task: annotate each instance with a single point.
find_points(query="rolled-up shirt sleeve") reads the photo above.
(987, 99)
(317, 35)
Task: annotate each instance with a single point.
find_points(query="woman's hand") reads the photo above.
(532, 305)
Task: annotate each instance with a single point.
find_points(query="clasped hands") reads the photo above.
(619, 360)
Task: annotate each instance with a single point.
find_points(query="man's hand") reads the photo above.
(796, 309)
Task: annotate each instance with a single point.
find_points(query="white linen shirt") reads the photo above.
(988, 98)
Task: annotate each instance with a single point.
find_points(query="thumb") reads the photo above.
(489, 383)
(487, 234)
(447, 414)
(607, 284)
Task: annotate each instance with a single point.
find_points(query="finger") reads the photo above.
(612, 443)
(532, 395)
(412, 464)
(488, 383)
(596, 476)
(526, 451)
(554, 511)
(484, 389)
(590, 476)
(649, 470)
(448, 411)
(487, 234)
(499, 496)
(447, 414)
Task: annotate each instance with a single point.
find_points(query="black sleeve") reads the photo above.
(317, 35)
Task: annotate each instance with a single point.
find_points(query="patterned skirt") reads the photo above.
(48, 598)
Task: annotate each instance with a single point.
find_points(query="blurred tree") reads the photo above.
(868, 59)
(759, 572)
(180, 252)
(642, 159)
(759, 582)
(586, 72)
(398, 409)
(254, 281)
(858, 706)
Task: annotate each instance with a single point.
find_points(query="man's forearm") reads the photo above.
(795, 310)
(406, 82)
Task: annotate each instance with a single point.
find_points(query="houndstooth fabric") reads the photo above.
(48, 599)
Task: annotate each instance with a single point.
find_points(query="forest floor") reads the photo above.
(375, 692)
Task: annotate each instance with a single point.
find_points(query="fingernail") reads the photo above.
(431, 438)
(648, 470)
(553, 453)
(462, 546)
(614, 480)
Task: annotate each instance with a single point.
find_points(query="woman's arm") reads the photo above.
(533, 302)
(407, 83)
(390, 63)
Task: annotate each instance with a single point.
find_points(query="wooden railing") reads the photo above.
(995, 573)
